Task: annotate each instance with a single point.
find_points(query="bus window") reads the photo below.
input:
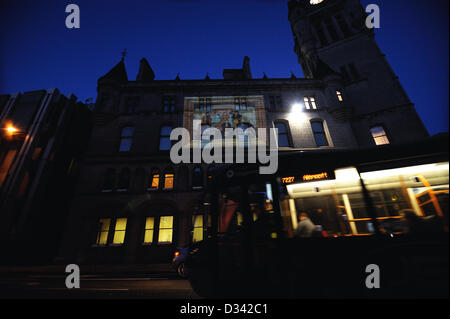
(338, 207)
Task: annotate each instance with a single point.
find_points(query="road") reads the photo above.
(43, 286)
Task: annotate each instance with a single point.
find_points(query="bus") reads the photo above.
(333, 223)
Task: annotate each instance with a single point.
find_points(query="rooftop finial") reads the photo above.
(124, 53)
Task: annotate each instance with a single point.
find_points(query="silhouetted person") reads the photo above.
(305, 227)
(416, 224)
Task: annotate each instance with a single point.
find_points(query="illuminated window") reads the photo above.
(165, 230)
(339, 96)
(198, 228)
(154, 180)
(119, 231)
(204, 104)
(310, 102)
(149, 230)
(283, 134)
(103, 230)
(164, 138)
(240, 103)
(319, 133)
(168, 181)
(379, 135)
(126, 139)
(168, 104)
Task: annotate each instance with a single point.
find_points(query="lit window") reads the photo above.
(154, 182)
(319, 133)
(119, 231)
(126, 139)
(103, 230)
(168, 181)
(339, 96)
(379, 135)
(198, 228)
(165, 230)
(164, 138)
(283, 135)
(204, 104)
(149, 230)
(310, 103)
(240, 103)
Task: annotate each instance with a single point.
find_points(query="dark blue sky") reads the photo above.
(194, 37)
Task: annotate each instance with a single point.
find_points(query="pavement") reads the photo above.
(96, 282)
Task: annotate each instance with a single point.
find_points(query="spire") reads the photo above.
(145, 73)
(178, 76)
(246, 68)
(207, 77)
(118, 74)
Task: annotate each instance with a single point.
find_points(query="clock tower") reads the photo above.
(334, 33)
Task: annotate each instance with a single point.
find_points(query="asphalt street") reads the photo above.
(43, 286)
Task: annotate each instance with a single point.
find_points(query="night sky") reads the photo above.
(194, 37)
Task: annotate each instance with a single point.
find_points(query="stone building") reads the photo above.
(133, 205)
(42, 139)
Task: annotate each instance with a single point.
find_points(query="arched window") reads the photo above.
(319, 133)
(126, 138)
(197, 178)
(109, 180)
(283, 134)
(154, 180)
(379, 135)
(164, 138)
(124, 180)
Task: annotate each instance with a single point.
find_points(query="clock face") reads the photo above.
(315, 1)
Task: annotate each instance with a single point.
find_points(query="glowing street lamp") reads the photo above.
(11, 129)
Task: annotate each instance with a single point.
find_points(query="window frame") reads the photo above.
(126, 137)
(171, 104)
(324, 132)
(154, 172)
(165, 137)
(285, 123)
(310, 102)
(386, 135)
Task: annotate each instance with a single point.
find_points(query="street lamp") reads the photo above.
(11, 129)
